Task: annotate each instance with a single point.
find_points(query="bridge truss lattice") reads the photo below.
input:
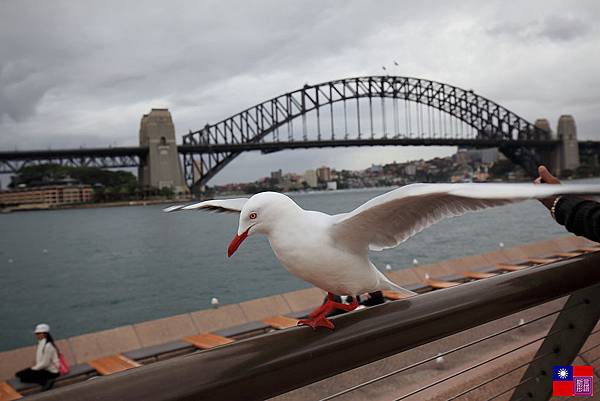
(373, 110)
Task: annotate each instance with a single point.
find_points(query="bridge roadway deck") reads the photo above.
(79, 152)
(142, 151)
(133, 156)
(332, 143)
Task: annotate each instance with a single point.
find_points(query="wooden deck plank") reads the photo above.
(7, 393)
(395, 295)
(479, 275)
(281, 322)
(207, 340)
(440, 284)
(112, 364)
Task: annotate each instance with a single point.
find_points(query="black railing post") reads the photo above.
(575, 323)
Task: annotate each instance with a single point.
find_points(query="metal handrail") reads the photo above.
(274, 363)
(478, 364)
(514, 369)
(441, 354)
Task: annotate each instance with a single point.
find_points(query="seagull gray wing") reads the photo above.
(390, 219)
(215, 205)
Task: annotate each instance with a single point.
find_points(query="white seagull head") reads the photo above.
(259, 215)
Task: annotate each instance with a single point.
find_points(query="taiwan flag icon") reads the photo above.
(572, 381)
(562, 381)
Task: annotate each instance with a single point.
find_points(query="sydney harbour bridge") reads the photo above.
(362, 111)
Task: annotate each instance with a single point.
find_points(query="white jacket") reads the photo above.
(46, 357)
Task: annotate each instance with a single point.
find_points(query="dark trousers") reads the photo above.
(43, 377)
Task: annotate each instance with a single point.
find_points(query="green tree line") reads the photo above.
(108, 185)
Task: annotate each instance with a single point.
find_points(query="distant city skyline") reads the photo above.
(83, 74)
(466, 165)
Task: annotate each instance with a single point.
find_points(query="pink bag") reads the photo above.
(63, 366)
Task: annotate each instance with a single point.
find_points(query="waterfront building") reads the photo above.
(324, 174)
(376, 169)
(410, 170)
(310, 177)
(485, 156)
(291, 182)
(276, 176)
(47, 195)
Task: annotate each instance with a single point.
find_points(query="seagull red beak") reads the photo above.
(236, 242)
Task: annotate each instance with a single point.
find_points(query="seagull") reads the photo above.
(332, 251)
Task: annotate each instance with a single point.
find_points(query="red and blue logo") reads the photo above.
(573, 381)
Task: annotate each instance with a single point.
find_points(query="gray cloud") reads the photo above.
(553, 28)
(563, 28)
(83, 73)
(22, 88)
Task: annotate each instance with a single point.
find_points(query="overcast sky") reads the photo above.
(82, 73)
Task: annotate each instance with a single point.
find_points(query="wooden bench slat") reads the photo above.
(568, 254)
(479, 275)
(511, 268)
(590, 249)
(281, 322)
(395, 295)
(112, 364)
(207, 340)
(543, 261)
(7, 393)
(440, 283)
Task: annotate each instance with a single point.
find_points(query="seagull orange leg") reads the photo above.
(317, 318)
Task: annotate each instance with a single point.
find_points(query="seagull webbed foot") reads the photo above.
(320, 310)
(317, 318)
(319, 321)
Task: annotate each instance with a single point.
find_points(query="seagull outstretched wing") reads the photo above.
(391, 218)
(216, 205)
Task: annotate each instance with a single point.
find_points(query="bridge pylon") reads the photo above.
(549, 157)
(565, 155)
(568, 148)
(162, 167)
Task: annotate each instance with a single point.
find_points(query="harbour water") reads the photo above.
(84, 270)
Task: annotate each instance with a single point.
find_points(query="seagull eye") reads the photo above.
(252, 215)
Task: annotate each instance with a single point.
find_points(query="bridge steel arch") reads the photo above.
(492, 122)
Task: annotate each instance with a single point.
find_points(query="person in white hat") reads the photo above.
(46, 365)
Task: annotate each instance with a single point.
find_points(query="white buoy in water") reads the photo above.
(415, 262)
(214, 302)
(501, 245)
(10, 260)
(44, 250)
(388, 267)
